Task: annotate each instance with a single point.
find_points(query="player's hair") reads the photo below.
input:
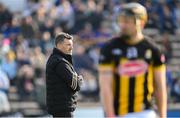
(134, 9)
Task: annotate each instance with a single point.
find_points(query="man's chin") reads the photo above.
(70, 53)
(125, 37)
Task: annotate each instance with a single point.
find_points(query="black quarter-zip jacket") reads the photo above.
(61, 83)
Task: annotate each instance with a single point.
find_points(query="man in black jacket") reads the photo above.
(61, 79)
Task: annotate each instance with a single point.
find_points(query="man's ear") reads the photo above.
(58, 45)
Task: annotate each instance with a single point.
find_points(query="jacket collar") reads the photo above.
(65, 56)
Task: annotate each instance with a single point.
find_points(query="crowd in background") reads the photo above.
(27, 39)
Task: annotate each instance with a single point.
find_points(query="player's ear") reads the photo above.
(143, 23)
(139, 24)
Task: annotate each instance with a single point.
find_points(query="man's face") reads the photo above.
(66, 46)
(127, 25)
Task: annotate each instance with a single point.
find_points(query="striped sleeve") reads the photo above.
(74, 82)
(158, 58)
(70, 77)
(105, 59)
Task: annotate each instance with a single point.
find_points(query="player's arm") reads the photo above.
(160, 83)
(105, 82)
(160, 90)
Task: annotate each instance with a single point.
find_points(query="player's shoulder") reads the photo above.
(111, 43)
(150, 42)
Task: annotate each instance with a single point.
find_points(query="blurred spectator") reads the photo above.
(176, 90)
(25, 82)
(36, 40)
(40, 15)
(4, 86)
(82, 60)
(95, 13)
(38, 61)
(66, 15)
(103, 33)
(87, 32)
(46, 42)
(47, 27)
(177, 13)
(4, 82)
(153, 16)
(53, 13)
(14, 29)
(22, 57)
(94, 55)
(5, 17)
(27, 28)
(80, 16)
(9, 65)
(166, 19)
(85, 66)
(5, 106)
(166, 46)
(40, 92)
(57, 29)
(104, 30)
(46, 4)
(5, 45)
(89, 88)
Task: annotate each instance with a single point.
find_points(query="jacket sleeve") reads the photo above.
(64, 72)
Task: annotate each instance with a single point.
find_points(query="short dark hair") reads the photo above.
(61, 36)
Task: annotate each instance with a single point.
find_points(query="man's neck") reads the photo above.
(135, 39)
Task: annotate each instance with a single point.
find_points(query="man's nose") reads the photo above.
(71, 47)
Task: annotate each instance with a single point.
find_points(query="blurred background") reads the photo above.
(27, 30)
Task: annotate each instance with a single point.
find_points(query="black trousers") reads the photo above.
(64, 114)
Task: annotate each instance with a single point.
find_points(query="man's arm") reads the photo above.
(105, 82)
(64, 71)
(160, 90)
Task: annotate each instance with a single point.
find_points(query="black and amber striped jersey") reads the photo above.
(132, 67)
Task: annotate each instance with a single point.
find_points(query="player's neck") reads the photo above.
(136, 38)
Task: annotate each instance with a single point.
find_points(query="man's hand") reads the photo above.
(80, 80)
